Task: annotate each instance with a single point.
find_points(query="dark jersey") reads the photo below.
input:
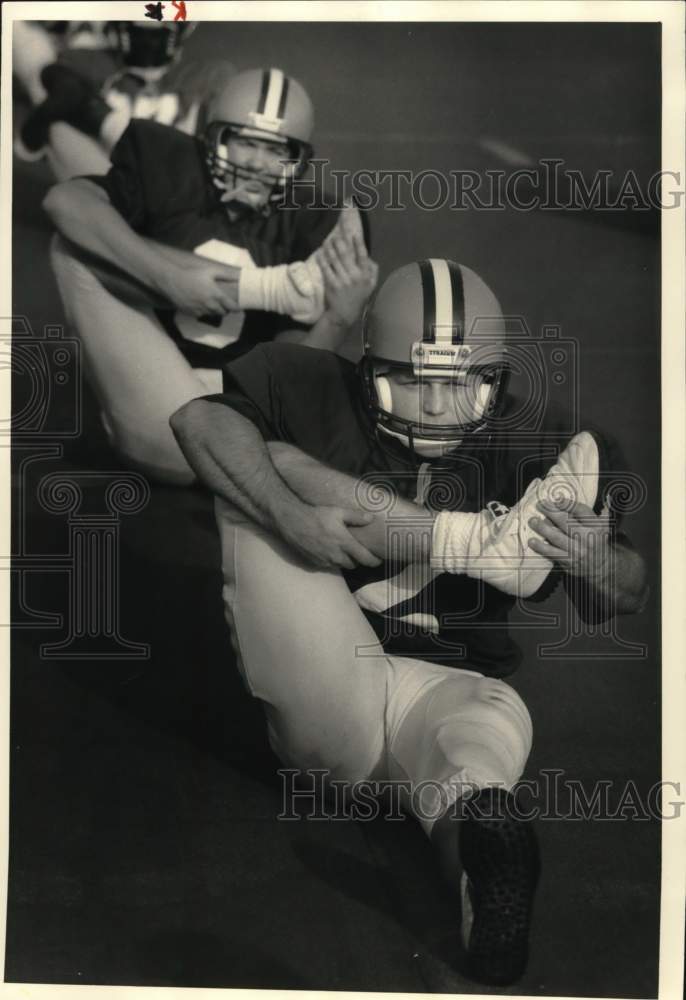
(160, 184)
(313, 399)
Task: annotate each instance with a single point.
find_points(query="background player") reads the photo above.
(392, 671)
(254, 273)
(37, 44)
(86, 96)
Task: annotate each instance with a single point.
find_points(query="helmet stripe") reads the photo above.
(273, 100)
(457, 286)
(281, 113)
(262, 100)
(429, 300)
(444, 301)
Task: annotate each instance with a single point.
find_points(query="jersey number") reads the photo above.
(226, 329)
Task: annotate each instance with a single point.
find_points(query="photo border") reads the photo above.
(672, 15)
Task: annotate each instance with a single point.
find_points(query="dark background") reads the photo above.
(144, 844)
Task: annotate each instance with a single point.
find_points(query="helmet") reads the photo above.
(437, 319)
(148, 44)
(260, 104)
(90, 35)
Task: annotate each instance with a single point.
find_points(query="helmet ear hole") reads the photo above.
(383, 393)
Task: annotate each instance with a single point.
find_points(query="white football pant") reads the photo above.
(334, 700)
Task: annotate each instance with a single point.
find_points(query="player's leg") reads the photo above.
(334, 701)
(72, 153)
(138, 374)
(306, 651)
(33, 48)
(462, 745)
(460, 730)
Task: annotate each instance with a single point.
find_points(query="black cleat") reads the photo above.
(71, 98)
(501, 865)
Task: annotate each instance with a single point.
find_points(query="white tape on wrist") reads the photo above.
(450, 541)
(295, 290)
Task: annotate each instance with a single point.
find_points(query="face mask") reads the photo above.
(426, 445)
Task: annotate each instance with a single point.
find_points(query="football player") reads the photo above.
(377, 525)
(181, 258)
(37, 44)
(90, 95)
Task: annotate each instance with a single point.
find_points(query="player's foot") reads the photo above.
(350, 223)
(24, 153)
(348, 228)
(72, 99)
(499, 854)
(493, 545)
(65, 90)
(572, 479)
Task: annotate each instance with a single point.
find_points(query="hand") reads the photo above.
(576, 539)
(350, 276)
(201, 287)
(321, 535)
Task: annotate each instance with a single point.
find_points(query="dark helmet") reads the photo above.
(149, 44)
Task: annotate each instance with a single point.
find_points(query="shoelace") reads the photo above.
(512, 520)
(498, 512)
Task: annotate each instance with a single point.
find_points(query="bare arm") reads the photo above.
(82, 212)
(229, 456)
(129, 289)
(620, 589)
(602, 577)
(397, 525)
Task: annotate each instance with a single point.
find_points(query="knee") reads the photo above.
(499, 706)
(507, 701)
(496, 719)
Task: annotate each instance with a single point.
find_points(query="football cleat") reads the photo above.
(501, 868)
(493, 545)
(72, 99)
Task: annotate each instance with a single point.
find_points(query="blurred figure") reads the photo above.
(87, 94)
(37, 44)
